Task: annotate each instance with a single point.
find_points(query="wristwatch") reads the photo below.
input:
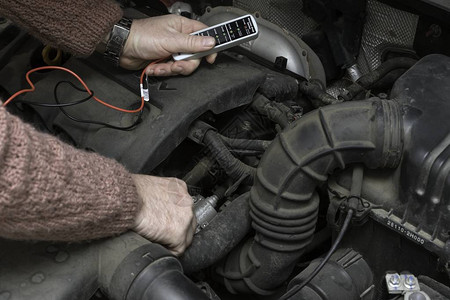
(116, 41)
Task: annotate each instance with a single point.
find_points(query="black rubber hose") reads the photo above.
(367, 81)
(246, 144)
(234, 168)
(199, 172)
(215, 241)
(276, 112)
(241, 153)
(295, 289)
(283, 201)
(164, 279)
(316, 95)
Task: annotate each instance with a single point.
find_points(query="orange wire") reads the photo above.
(33, 88)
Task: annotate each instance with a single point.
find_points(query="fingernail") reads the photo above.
(209, 42)
(161, 72)
(178, 69)
(150, 71)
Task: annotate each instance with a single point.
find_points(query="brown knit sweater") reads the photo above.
(50, 190)
(74, 26)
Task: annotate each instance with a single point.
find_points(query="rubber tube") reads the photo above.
(215, 241)
(199, 172)
(276, 112)
(367, 81)
(315, 93)
(283, 202)
(245, 144)
(232, 166)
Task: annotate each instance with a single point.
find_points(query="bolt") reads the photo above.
(394, 280)
(410, 281)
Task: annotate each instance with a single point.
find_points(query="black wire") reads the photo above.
(60, 106)
(295, 289)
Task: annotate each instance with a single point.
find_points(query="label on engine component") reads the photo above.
(402, 230)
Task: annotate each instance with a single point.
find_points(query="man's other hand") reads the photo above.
(166, 216)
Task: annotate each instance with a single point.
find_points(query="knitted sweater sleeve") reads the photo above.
(52, 191)
(73, 26)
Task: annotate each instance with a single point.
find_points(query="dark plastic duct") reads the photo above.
(148, 272)
(123, 267)
(283, 201)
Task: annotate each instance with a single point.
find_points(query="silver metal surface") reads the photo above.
(204, 210)
(287, 14)
(400, 284)
(272, 42)
(354, 73)
(394, 280)
(410, 281)
(385, 27)
(337, 87)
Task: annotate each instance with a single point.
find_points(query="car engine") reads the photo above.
(317, 156)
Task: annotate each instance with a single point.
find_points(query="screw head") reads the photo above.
(394, 280)
(409, 280)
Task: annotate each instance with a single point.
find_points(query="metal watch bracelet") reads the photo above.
(116, 42)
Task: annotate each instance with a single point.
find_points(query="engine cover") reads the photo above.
(175, 103)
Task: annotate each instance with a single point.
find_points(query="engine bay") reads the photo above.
(317, 156)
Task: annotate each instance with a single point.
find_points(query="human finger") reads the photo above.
(160, 69)
(185, 67)
(211, 58)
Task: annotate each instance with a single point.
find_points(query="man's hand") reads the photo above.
(166, 215)
(160, 37)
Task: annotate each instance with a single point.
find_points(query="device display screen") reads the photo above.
(231, 31)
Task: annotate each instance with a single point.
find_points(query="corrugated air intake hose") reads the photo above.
(283, 201)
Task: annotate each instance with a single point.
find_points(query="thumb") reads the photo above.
(192, 43)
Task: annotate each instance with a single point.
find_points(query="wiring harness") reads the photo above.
(143, 88)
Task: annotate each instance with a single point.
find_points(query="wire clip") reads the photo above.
(144, 93)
